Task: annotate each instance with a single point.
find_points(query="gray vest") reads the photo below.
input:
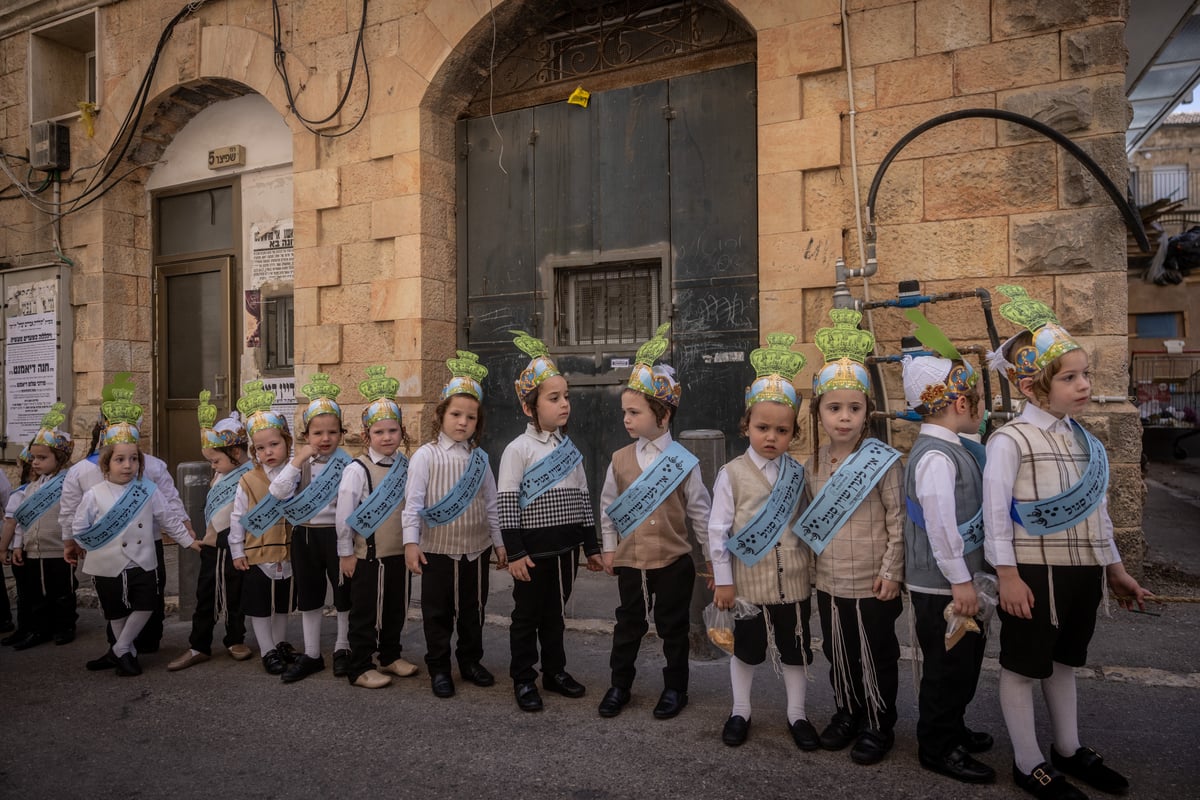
(920, 568)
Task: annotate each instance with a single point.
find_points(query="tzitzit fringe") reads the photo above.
(843, 688)
(1053, 605)
(380, 583)
(918, 659)
(800, 638)
(870, 679)
(220, 601)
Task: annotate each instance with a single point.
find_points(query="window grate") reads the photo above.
(609, 305)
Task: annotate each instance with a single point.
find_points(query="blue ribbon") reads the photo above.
(548, 471)
(1069, 508)
(761, 533)
(119, 517)
(264, 516)
(461, 495)
(971, 531)
(223, 491)
(41, 501)
(319, 493)
(655, 484)
(843, 493)
(383, 500)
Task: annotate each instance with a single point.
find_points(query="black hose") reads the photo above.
(1133, 220)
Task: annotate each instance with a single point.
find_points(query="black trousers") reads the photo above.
(538, 616)
(366, 608)
(314, 561)
(150, 637)
(204, 619)
(438, 582)
(948, 677)
(670, 590)
(46, 586)
(879, 623)
(6, 614)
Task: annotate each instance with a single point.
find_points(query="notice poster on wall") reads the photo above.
(38, 297)
(271, 253)
(30, 374)
(285, 397)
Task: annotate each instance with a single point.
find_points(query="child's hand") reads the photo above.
(723, 597)
(607, 558)
(18, 557)
(71, 552)
(519, 569)
(5, 557)
(347, 565)
(709, 580)
(1016, 598)
(885, 589)
(501, 558)
(1124, 585)
(414, 558)
(966, 601)
(241, 564)
(195, 546)
(303, 453)
(595, 563)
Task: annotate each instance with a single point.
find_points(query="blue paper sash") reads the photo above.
(41, 501)
(319, 493)
(655, 484)
(223, 491)
(843, 493)
(264, 516)
(119, 517)
(761, 533)
(1069, 508)
(549, 471)
(971, 531)
(461, 495)
(383, 500)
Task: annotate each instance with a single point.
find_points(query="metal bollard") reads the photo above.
(708, 446)
(192, 480)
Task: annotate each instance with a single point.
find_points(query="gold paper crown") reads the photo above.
(206, 412)
(778, 358)
(320, 386)
(540, 368)
(118, 405)
(653, 349)
(255, 399)
(378, 385)
(845, 339)
(1023, 310)
(54, 417)
(466, 365)
(49, 434)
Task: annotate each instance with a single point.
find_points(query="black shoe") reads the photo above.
(442, 684)
(977, 741)
(1087, 766)
(960, 765)
(670, 703)
(341, 663)
(1046, 783)
(302, 668)
(128, 666)
(32, 640)
(65, 636)
(736, 729)
(562, 683)
(804, 735)
(106, 661)
(14, 637)
(528, 698)
(150, 648)
(287, 652)
(273, 662)
(840, 731)
(477, 674)
(6, 626)
(614, 700)
(872, 745)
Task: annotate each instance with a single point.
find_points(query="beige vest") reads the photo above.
(274, 545)
(43, 539)
(663, 537)
(783, 574)
(220, 520)
(467, 534)
(389, 536)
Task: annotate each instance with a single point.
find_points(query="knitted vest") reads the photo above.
(468, 533)
(663, 537)
(43, 539)
(274, 545)
(783, 574)
(1051, 463)
(389, 536)
(920, 568)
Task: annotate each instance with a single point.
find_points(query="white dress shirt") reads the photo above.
(285, 485)
(935, 477)
(280, 570)
(415, 500)
(351, 492)
(720, 521)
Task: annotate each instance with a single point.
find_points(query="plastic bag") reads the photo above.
(958, 626)
(719, 621)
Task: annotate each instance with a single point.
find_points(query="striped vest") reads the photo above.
(389, 536)
(663, 537)
(43, 539)
(783, 575)
(467, 534)
(274, 545)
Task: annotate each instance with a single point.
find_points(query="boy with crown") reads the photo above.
(1049, 536)
(651, 491)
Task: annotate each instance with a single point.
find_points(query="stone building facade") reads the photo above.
(376, 213)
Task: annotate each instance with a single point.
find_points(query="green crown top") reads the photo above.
(1023, 310)
(777, 358)
(255, 399)
(466, 365)
(530, 345)
(845, 339)
(206, 412)
(319, 385)
(378, 385)
(931, 335)
(118, 405)
(54, 417)
(653, 350)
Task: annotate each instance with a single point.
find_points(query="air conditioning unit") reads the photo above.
(49, 146)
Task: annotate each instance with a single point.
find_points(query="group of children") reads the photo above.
(283, 529)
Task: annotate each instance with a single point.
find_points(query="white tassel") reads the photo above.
(1104, 592)
(918, 659)
(220, 601)
(379, 577)
(804, 645)
(645, 595)
(870, 679)
(772, 647)
(480, 600)
(843, 688)
(1053, 605)
(125, 589)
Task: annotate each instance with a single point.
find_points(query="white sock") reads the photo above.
(312, 632)
(343, 631)
(279, 627)
(262, 632)
(117, 625)
(193, 652)
(1016, 703)
(796, 684)
(129, 631)
(741, 676)
(1059, 690)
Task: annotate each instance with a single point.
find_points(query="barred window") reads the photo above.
(614, 304)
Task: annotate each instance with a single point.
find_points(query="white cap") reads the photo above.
(921, 372)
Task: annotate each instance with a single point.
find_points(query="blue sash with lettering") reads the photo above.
(222, 492)
(119, 517)
(41, 501)
(549, 471)
(971, 531)
(461, 495)
(656, 482)
(383, 499)
(265, 515)
(761, 533)
(319, 493)
(843, 493)
(1040, 517)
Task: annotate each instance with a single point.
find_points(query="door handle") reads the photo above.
(219, 386)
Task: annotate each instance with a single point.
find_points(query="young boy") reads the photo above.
(943, 538)
(652, 489)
